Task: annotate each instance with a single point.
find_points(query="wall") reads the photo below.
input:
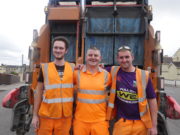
(9, 79)
(172, 82)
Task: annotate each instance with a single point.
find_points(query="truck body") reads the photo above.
(107, 25)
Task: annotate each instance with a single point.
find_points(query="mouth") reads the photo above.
(93, 60)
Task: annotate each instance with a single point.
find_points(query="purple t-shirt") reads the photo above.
(126, 95)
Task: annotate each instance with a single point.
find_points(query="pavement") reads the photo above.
(4, 87)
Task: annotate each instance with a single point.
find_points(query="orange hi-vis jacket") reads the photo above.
(142, 79)
(57, 99)
(91, 104)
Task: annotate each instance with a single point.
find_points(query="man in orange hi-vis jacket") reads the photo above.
(53, 99)
(133, 96)
(92, 82)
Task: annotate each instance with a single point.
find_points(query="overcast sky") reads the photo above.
(20, 17)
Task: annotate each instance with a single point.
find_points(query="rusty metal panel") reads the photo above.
(44, 43)
(63, 13)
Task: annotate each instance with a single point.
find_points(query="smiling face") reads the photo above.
(93, 57)
(59, 49)
(125, 59)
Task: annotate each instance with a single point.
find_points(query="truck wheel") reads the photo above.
(162, 125)
(19, 132)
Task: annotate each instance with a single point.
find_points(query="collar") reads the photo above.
(85, 69)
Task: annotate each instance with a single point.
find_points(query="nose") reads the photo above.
(123, 59)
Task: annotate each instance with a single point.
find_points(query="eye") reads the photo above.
(95, 55)
(61, 48)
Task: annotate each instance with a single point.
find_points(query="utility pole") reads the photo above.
(22, 59)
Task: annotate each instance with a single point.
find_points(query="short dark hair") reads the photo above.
(63, 39)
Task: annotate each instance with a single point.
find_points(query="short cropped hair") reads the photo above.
(63, 39)
(94, 48)
(124, 48)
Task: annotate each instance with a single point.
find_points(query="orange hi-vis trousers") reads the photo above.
(90, 128)
(54, 126)
(129, 127)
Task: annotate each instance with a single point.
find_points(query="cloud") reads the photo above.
(166, 19)
(9, 51)
(18, 19)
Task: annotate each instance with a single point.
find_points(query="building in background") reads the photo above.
(13, 69)
(10, 71)
(171, 66)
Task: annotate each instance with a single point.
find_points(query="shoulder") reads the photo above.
(103, 70)
(115, 68)
(72, 65)
(142, 71)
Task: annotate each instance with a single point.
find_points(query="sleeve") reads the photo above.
(150, 92)
(108, 68)
(40, 77)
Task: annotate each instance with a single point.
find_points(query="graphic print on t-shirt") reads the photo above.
(127, 95)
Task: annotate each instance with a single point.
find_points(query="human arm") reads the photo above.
(151, 98)
(153, 111)
(75, 89)
(37, 101)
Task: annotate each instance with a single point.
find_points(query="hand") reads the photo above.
(79, 66)
(101, 65)
(152, 131)
(35, 122)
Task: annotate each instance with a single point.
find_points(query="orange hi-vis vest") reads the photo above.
(91, 104)
(58, 98)
(142, 79)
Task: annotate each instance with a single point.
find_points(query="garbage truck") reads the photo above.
(107, 25)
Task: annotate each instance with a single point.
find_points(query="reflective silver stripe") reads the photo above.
(54, 86)
(57, 100)
(105, 77)
(72, 66)
(113, 91)
(142, 113)
(141, 99)
(46, 73)
(78, 78)
(144, 83)
(114, 71)
(91, 101)
(95, 92)
(111, 105)
(143, 77)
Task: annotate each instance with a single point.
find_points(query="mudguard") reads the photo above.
(173, 108)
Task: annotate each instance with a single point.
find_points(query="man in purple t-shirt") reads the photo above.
(127, 100)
